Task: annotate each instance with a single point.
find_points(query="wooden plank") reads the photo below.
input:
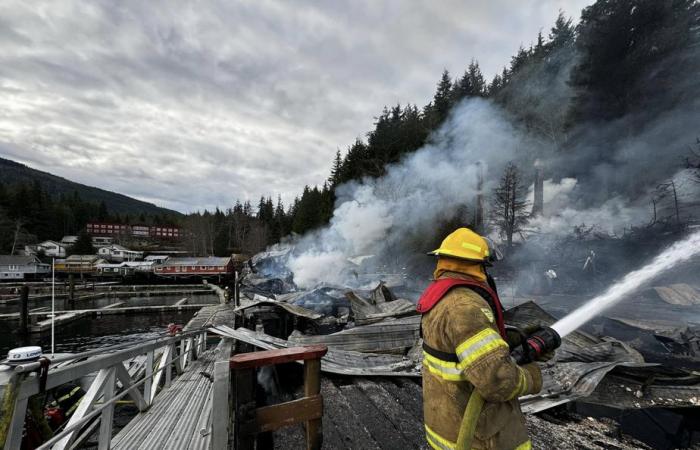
(148, 371)
(270, 418)
(346, 423)
(271, 357)
(107, 416)
(113, 305)
(312, 387)
(409, 425)
(220, 403)
(378, 425)
(409, 394)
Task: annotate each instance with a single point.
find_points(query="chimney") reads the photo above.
(479, 212)
(538, 203)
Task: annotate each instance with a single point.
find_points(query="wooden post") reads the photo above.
(236, 301)
(12, 412)
(251, 421)
(312, 387)
(24, 315)
(147, 385)
(71, 290)
(244, 385)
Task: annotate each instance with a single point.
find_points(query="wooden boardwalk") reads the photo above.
(210, 316)
(180, 418)
(366, 413)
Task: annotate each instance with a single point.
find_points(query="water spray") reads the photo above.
(677, 253)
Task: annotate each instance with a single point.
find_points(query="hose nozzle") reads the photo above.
(541, 342)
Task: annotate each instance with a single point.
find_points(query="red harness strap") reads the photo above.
(439, 288)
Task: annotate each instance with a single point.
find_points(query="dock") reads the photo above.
(66, 317)
(180, 418)
(186, 394)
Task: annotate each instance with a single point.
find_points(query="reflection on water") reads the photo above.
(96, 332)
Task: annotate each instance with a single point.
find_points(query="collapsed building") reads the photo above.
(645, 361)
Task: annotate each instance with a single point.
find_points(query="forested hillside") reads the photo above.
(35, 206)
(615, 92)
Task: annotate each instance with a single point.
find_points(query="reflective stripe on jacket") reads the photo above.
(460, 324)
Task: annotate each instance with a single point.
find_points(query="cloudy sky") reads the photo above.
(194, 104)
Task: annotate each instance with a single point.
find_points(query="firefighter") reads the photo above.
(66, 400)
(471, 384)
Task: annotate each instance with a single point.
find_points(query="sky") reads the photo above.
(192, 105)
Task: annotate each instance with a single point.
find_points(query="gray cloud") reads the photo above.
(192, 105)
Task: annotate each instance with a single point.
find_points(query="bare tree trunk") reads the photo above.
(18, 227)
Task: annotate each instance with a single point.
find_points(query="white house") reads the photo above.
(102, 241)
(158, 259)
(69, 240)
(116, 252)
(124, 269)
(47, 248)
(21, 267)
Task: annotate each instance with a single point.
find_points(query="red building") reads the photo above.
(160, 232)
(107, 229)
(165, 232)
(195, 267)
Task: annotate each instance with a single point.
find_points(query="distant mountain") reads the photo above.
(12, 172)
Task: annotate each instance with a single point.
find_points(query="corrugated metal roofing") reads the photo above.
(202, 261)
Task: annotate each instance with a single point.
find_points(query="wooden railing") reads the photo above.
(250, 420)
(101, 396)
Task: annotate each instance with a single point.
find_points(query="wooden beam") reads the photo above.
(86, 404)
(107, 416)
(312, 388)
(271, 357)
(126, 381)
(270, 418)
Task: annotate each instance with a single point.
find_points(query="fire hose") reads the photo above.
(539, 343)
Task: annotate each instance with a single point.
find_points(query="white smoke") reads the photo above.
(388, 215)
(560, 216)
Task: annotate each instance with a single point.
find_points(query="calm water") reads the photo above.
(91, 333)
(63, 304)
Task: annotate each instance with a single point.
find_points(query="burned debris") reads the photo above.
(373, 330)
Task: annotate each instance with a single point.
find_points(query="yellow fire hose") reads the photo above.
(469, 420)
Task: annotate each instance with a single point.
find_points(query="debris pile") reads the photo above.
(374, 331)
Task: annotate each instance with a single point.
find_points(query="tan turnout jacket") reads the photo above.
(462, 322)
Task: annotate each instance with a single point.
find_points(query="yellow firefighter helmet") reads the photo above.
(463, 243)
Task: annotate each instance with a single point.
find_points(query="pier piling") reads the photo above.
(24, 315)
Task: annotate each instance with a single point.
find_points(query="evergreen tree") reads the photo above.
(628, 49)
(442, 101)
(83, 246)
(563, 33)
(334, 179)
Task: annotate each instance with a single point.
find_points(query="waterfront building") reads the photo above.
(15, 267)
(79, 264)
(47, 248)
(210, 266)
(119, 253)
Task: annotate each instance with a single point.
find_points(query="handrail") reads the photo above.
(30, 367)
(110, 370)
(98, 410)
